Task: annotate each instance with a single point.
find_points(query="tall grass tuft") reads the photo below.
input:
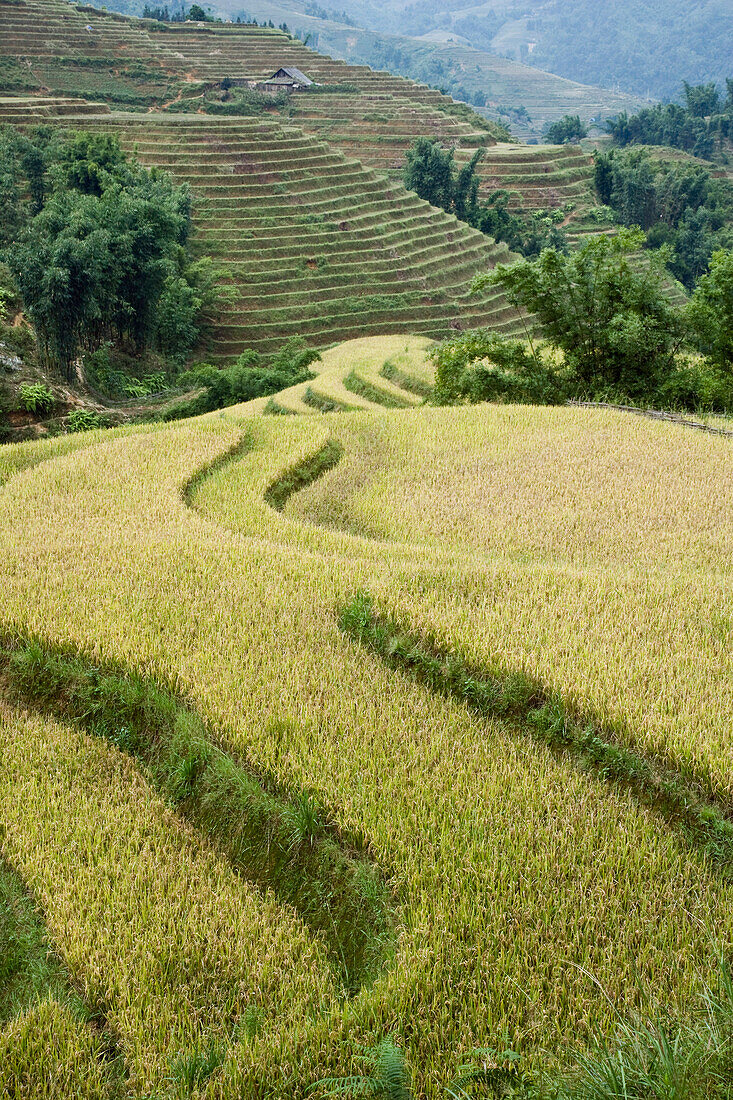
(661, 1060)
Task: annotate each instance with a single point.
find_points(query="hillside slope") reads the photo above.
(51, 45)
(375, 118)
(303, 205)
(645, 48)
(471, 70)
(506, 885)
(313, 243)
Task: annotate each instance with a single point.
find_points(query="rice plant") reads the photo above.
(572, 548)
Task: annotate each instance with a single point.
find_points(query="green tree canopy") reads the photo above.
(711, 310)
(431, 172)
(680, 204)
(604, 309)
(566, 130)
(104, 257)
(700, 125)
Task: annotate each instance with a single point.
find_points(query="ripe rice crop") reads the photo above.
(529, 898)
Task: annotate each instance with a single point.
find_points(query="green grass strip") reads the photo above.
(701, 816)
(302, 474)
(274, 408)
(324, 404)
(405, 381)
(279, 840)
(29, 970)
(362, 388)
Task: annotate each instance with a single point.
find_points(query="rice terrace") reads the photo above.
(366, 609)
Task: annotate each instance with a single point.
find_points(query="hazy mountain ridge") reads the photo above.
(476, 76)
(646, 47)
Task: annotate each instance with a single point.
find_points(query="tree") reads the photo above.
(24, 159)
(481, 365)
(105, 259)
(567, 130)
(88, 162)
(605, 310)
(711, 310)
(429, 172)
(701, 100)
(678, 204)
(197, 14)
(65, 271)
(699, 125)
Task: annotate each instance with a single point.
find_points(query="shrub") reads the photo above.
(83, 420)
(711, 311)
(697, 384)
(248, 378)
(608, 314)
(37, 398)
(483, 366)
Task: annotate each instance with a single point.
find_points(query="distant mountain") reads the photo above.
(524, 98)
(643, 46)
(646, 47)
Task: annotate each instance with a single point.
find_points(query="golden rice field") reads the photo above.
(530, 899)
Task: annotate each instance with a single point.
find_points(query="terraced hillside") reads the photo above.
(314, 243)
(365, 373)
(25, 110)
(55, 46)
(435, 744)
(86, 51)
(378, 129)
(305, 212)
(384, 41)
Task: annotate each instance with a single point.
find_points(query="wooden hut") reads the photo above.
(286, 80)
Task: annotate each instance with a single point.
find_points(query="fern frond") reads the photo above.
(390, 1069)
(489, 1069)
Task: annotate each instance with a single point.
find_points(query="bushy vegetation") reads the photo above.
(388, 1074)
(679, 204)
(700, 125)
(83, 420)
(37, 398)
(566, 130)
(611, 332)
(483, 366)
(431, 172)
(249, 377)
(98, 247)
